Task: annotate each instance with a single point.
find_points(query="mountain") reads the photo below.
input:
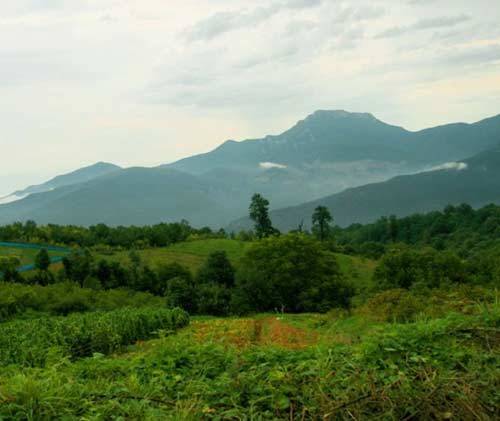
(326, 153)
(79, 176)
(340, 136)
(475, 181)
(134, 196)
(330, 151)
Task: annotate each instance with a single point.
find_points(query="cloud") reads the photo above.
(421, 2)
(423, 24)
(458, 166)
(475, 55)
(269, 165)
(222, 22)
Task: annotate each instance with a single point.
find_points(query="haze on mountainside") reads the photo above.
(320, 155)
(146, 83)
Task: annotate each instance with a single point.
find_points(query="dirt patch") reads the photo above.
(271, 331)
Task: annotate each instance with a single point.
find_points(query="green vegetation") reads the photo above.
(461, 229)
(191, 254)
(291, 367)
(27, 342)
(395, 329)
(24, 256)
(30, 301)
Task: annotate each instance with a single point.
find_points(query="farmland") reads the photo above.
(278, 367)
(26, 256)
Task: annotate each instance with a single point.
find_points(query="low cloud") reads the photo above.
(458, 166)
(269, 165)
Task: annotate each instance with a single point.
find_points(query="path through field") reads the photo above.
(269, 330)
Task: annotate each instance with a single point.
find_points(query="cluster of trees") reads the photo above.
(293, 273)
(322, 220)
(421, 268)
(159, 235)
(459, 228)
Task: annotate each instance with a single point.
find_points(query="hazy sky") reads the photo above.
(144, 82)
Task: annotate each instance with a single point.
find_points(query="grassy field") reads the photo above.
(193, 254)
(26, 256)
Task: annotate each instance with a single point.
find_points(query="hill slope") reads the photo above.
(475, 181)
(135, 196)
(79, 176)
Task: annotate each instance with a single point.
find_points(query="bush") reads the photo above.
(404, 267)
(67, 297)
(395, 305)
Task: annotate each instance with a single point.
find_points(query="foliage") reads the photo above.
(159, 235)
(259, 213)
(81, 335)
(63, 298)
(8, 269)
(293, 273)
(404, 267)
(217, 269)
(461, 229)
(321, 220)
(401, 305)
(42, 260)
(439, 369)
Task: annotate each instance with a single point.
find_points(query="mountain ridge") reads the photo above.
(323, 154)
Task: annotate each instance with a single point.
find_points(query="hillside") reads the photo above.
(475, 181)
(135, 196)
(79, 176)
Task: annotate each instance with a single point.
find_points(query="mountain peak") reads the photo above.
(339, 114)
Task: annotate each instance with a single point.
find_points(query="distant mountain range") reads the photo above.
(79, 176)
(475, 181)
(324, 154)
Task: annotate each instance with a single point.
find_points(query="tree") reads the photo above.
(78, 266)
(321, 220)
(393, 228)
(42, 260)
(292, 272)
(169, 271)
(180, 292)
(217, 269)
(259, 213)
(8, 269)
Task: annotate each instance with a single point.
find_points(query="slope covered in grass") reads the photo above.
(191, 254)
(279, 367)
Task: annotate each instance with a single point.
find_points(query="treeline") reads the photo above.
(466, 231)
(159, 235)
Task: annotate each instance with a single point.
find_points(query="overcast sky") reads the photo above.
(145, 82)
